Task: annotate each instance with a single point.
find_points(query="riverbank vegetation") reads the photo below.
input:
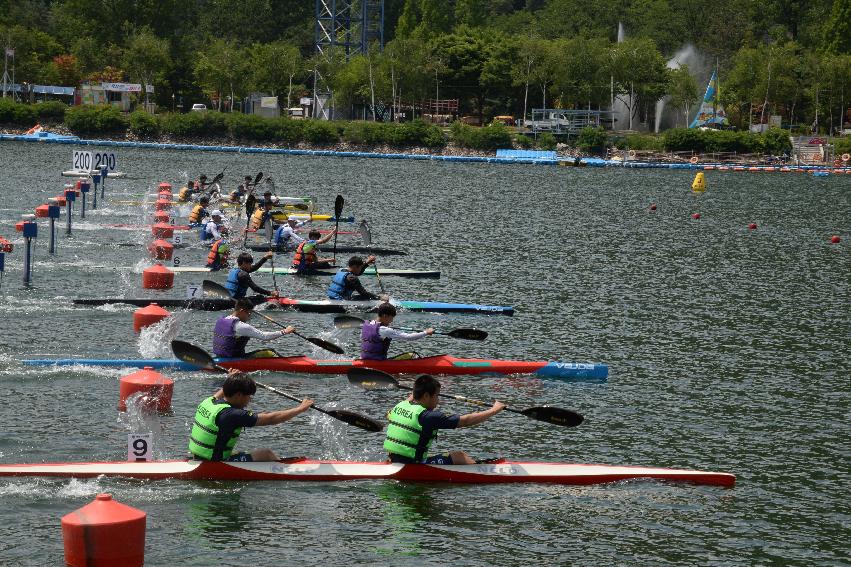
(496, 57)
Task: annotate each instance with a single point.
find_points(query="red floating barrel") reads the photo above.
(41, 211)
(695, 216)
(104, 533)
(156, 387)
(161, 216)
(162, 204)
(157, 277)
(161, 250)
(162, 230)
(60, 200)
(165, 186)
(147, 316)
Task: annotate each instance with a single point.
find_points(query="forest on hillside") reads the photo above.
(497, 57)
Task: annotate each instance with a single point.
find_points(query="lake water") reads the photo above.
(728, 350)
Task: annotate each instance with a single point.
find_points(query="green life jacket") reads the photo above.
(202, 439)
(404, 430)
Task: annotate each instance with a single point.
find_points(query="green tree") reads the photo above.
(638, 72)
(221, 68)
(837, 29)
(146, 58)
(273, 67)
(683, 90)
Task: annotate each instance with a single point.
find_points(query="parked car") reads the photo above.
(199, 108)
(296, 113)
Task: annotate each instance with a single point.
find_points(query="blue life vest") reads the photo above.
(232, 285)
(225, 341)
(372, 346)
(339, 288)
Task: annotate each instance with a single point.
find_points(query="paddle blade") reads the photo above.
(365, 234)
(217, 178)
(212, 289)
(330, 347)
(348, 322)
(469, 334)
(250, 205)
(258, 178)
(338, 206)
(556, 416)
(187, 352)
(371, 379)
(269, 230)
(356, 419)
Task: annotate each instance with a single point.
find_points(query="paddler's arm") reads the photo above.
(327, 237)
(261, 261)
(245, 330)
(477, 417)
(360, 289)
(245, 281)
(391, 333)
(275, 417)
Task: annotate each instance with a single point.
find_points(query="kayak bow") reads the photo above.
(499, 472)
(441, 364)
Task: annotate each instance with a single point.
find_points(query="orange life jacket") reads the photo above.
(195, 215)
(218, 258)
(302, 259)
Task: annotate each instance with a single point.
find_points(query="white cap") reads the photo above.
(216, 213)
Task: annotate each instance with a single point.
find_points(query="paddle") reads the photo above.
(187, 352)
(338, 210)
(369, 378)
(351, 322)
(269, 232)
(366, 235)
(250, 205)
(213, 289)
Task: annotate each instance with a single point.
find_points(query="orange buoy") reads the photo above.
(161, 216)
(164, 195)
(60, 200)
(164, 186)
(104, 533)
(835, 239)
(695, 216)
(19, 226)
(147, 316)
(42, 211)
(161, 249)
(162, 230)
(162, 204)
(156, 387)
(752, 226)
(157, 277)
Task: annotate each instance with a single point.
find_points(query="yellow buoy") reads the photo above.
(699, 183)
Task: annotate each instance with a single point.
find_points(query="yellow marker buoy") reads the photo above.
(699, 183)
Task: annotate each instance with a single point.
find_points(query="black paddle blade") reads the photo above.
(217, 178)
(556, 416)
(187, 352)
(469, 334)
(213, 289)
(371, 379)
(348, 322)
(356, 419)
(338, 206)
(250, 205)
(258, 178)
(330, 347)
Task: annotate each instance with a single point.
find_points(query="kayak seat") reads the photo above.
(411, 355)
(263, 353)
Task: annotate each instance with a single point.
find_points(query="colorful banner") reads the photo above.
(710, 111)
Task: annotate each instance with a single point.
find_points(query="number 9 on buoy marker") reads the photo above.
(139, 447)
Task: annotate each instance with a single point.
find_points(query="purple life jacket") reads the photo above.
(225, 341)
(372, 346)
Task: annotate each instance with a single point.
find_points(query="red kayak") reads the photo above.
(302, 469)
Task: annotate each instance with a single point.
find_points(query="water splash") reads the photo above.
(155, 341)
(686, 55)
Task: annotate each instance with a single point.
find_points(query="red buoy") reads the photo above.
(164, 186)
(104, 533)
(156, 387)
(161, 250)
(19, 226)
(652, 206)
(695, 216)
(60, 200)
(835, 239)
(157, 277)
(147, 316)
(162, 204)
(161, 216)
(752, 226)
(162, 230)
(41, 211)
(165, 195)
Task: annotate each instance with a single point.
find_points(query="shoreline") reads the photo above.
(450, 152)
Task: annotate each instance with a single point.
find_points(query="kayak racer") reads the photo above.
(376, 335)
(239, 278)
(345, 283)
(220, 419)
(306, 257)
(414, 423)
(232, 332)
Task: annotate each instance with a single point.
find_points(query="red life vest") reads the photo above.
(302, 259)
(217, 258)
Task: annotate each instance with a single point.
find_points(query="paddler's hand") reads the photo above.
(497, 407)
(370, 260)
(288, 330)
(430, 331)
(275, 294)
(305, 405)
(268, 255)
